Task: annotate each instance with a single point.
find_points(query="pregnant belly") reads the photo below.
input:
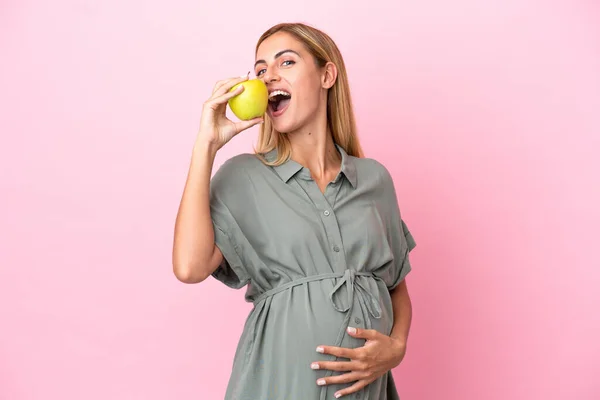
(284, 330)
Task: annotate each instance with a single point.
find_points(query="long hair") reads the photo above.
(340, 114)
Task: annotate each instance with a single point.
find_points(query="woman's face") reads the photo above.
(293, 79)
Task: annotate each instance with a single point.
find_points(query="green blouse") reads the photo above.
(313, 263)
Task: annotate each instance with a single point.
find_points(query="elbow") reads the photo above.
(188, 273)
(190, 267)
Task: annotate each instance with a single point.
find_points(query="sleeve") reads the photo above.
(409, 238)
(400, 238)
(231, 271)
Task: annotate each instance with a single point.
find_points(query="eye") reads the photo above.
(289, 62)
(260, 72)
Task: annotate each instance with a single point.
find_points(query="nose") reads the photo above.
(271, 76)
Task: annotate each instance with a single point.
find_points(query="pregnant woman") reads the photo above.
(310, 226)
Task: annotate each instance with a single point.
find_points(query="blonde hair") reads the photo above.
(340, 115)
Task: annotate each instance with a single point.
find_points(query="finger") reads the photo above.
(337, 379)
(243, 125)
(338, 351)
(336, 365)
(370, 334)
(228, 84)
(223, 81)
(360, 384)
(222, 99)
(219, 84)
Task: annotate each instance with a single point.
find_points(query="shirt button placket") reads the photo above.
(324, 202)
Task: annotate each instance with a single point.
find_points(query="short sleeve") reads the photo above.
(410, 241)
(231, 271)
(400, 238)
(403, 242)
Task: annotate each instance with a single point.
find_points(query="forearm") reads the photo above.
(402, 308)
(194, 242)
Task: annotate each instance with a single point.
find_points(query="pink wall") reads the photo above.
(487, 114)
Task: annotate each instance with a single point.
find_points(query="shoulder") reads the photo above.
(232, 176)
(372, 170)
(237, 166)
(240, 160)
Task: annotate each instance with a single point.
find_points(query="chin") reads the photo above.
(284, 126)
(284, 123)
(288, 122)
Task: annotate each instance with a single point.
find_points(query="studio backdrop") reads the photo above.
(485, 112)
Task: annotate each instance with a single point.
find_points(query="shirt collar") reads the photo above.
(291, 167)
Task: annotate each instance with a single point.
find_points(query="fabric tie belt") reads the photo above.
(366, 291)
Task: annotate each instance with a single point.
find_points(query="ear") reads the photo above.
(329, 75)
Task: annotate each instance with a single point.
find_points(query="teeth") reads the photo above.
(281, 92)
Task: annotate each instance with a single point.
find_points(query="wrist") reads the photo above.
(399, 349)
(205, 148)
(398, 343)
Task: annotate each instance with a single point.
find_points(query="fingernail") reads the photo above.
(245, 76)
(351, 330)
(314, 366)
(321, 382)
(320, 349)
(338, 395)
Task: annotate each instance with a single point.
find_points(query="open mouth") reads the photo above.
(278, 102)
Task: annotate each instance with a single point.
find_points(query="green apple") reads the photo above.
(252, 102)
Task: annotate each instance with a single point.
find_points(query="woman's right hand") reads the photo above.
(215, 128)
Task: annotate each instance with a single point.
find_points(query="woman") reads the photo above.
(311, 227)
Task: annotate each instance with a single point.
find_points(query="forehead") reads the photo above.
(276, 43)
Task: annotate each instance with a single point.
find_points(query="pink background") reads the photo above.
(486, 113)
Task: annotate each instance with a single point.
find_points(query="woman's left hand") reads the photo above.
(379, 354)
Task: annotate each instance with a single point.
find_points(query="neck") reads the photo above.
(313, 147)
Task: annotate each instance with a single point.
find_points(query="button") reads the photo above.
(357, 320)
(326, 213)
(336, 249)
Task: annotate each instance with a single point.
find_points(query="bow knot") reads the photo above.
(361, 283)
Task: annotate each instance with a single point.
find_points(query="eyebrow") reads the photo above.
(282, 52)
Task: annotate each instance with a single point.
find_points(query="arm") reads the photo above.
(195, 255)
(402, 307)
